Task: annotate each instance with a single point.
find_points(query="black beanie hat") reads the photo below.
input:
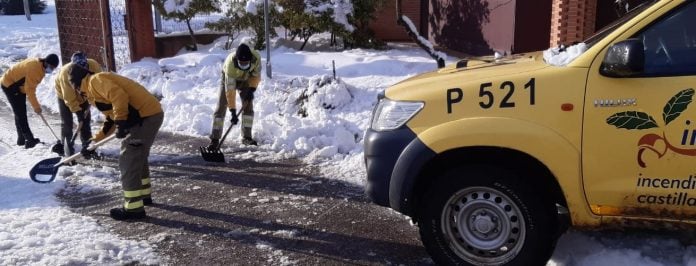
(51, 59)
(76, 74)
(243, 53)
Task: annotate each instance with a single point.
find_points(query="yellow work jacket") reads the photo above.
(27, 74)
(234, 74)
(119, 98)
(65, 90)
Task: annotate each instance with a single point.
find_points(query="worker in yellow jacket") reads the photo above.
(240, 72)
(134, 112)
(71, 101)
(19, 83)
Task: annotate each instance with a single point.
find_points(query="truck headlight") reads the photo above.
(391, 114)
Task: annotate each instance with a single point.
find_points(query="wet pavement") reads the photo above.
(244, 212)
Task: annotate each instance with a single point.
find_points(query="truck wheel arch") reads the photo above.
(558, 171)
(514, 160)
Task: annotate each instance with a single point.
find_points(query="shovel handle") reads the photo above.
(74, 136)
(49, 127)
(90, 148)
(228, 129)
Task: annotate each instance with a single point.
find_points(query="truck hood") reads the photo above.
(474, 69)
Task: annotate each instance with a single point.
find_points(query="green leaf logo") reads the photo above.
(632, 120)
(677, 105)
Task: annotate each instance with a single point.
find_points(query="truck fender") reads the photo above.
(559, 155)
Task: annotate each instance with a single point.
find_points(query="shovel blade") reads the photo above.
(212, 155)
(45, 171)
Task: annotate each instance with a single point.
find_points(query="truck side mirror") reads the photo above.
(624, 59)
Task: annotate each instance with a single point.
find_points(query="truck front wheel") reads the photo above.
(482, 215)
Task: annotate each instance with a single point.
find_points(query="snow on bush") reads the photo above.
(304, 123)
(325, 92)
(341, 10)
(180, 6)
(254, 6)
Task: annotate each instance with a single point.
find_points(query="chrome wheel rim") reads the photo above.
(483, 226)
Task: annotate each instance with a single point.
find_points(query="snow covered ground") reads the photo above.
(301, 113)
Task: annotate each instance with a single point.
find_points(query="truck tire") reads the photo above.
(485, 215)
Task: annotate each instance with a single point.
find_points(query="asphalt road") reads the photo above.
(253, 213)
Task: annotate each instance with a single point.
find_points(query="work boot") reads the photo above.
(147, 201)
(214, 143)
(20, 140)
(120, 214)
(249, 141)
(31, 143)
(59, 149)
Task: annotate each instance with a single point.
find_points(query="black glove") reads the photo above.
(122, 129)
(235, 118)
(85, 152)
(247, 94)
(85, 146)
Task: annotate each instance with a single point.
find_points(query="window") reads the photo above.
(670, 44)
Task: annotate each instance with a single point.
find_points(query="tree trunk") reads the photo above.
(306, 39)
(193, 37)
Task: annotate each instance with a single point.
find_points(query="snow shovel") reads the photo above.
(56, 147)
(67, 143)
(215, 154)
(45, 171)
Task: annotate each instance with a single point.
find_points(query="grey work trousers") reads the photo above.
(135, 170)
(221, 109)
(66, 127)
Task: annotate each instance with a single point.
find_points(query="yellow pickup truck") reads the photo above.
(495, 159)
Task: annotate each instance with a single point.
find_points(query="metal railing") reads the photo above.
(170, 26)
(119, 31)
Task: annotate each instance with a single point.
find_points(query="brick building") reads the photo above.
(475, 27)
(479, 27)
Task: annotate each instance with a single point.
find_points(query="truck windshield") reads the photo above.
(599, 35)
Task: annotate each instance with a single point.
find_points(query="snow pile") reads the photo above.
(561, 56)
(305, 123)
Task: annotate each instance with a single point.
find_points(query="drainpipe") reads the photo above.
(27, 10)
(269, 72)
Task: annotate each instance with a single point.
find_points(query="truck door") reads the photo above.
(639, 132)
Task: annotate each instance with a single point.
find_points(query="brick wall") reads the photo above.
(572, 20)
(385, 26)
(167, 46)
(141, 33)
(80, 28)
